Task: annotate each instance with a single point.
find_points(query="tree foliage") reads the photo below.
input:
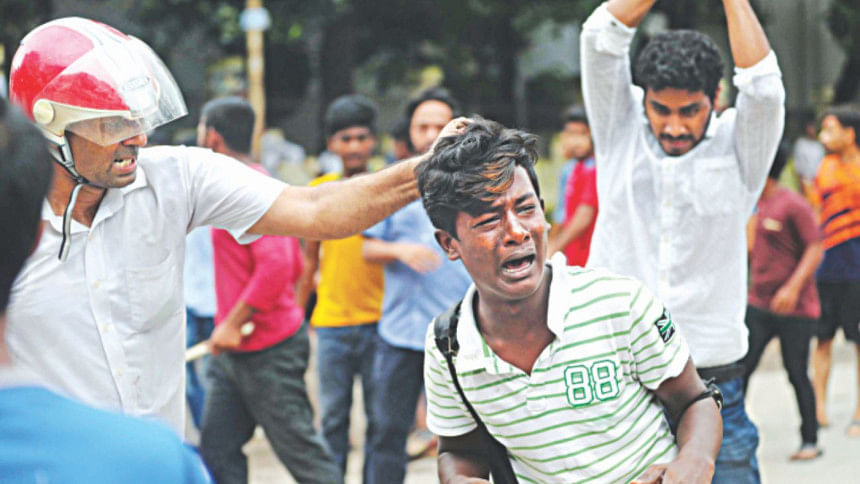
(843, 18)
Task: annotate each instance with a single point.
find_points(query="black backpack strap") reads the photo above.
(445, 330)
(445, 333)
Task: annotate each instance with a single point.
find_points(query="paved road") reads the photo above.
(771, 404)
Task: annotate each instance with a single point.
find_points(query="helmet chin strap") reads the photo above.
(63, 155)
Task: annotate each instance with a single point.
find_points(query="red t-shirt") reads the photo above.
(785, 226)
(581, 189)
(263, 274)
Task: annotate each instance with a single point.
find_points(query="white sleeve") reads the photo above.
(447, 415)
(225, 193)
(659, 351)
(611, 100)
(760, 120)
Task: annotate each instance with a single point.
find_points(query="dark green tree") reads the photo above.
(843, 18)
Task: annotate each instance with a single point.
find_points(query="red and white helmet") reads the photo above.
(72, 70)
(84, 77)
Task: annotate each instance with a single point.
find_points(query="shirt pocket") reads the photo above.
(154, 294)
(716, 185)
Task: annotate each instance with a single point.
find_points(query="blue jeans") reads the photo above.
(398, 375)
(343, 353)
(197, 329)
(736, 462)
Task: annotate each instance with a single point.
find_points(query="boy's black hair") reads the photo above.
(348, 111)
(680, 59)
(574, 114)
(26, 171)
(233, 118)
(469, 171)
(848, 116)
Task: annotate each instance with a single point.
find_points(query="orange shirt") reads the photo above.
(837, 187)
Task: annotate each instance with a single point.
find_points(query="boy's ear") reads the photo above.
(448, 244)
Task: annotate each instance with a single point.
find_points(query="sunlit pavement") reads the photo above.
(771, 404)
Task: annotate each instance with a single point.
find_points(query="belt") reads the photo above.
(722, 373)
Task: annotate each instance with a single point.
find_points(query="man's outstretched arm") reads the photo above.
(339, 209)
(342, 208)
(699, 434)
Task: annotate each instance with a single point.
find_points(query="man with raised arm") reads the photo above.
(117, 215)
(677, 183)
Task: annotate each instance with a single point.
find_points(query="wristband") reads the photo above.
(713, 391)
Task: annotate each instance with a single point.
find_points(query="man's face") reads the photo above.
(678, 118)
(576, 140)
(354, 145)
(835, 137)
(504, 248)
(427, 122)
(111, 166)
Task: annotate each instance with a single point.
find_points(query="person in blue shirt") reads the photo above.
(199, 290)
(419, 284)
(45, 437)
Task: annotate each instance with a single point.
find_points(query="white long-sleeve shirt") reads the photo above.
(678, 222)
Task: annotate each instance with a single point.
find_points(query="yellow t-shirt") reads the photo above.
(350, 289)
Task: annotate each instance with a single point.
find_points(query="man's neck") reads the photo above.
(89, 198)
(770, 187)
(351, 173)
(517, 331)
(243, 157)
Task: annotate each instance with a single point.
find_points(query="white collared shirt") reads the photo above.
(107, 326)
(586, 412)
(678, 222)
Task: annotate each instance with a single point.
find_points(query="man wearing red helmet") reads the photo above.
(117, 215)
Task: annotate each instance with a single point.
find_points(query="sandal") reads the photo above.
(807, 452)
(853, 428)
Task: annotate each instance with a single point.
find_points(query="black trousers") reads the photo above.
(265, 388)
(794, 336)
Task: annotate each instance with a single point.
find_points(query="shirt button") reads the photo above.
(119, 372)
(96, 284)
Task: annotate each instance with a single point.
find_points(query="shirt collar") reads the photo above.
(475, 353)
(110, 204)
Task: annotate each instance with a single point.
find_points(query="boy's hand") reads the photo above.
(419, 258)
(686, 468)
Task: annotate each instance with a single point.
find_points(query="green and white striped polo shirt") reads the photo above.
(587, 412)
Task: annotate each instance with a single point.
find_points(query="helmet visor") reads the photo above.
(116, 91)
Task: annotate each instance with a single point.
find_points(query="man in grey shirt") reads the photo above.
(676, 182)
